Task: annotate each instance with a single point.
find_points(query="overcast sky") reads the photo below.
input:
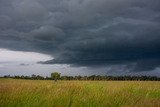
(80, 37)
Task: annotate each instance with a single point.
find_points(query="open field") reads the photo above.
(41, 93)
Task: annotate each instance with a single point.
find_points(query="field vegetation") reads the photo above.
(48, 93)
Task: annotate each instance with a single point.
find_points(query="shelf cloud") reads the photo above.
(89, 33)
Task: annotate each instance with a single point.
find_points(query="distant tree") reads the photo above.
(92, 77)
(48, 78)
(38, 77)
(78, 77)
(55, 75)
(33, 76)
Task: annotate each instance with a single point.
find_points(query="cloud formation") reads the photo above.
(85, 32)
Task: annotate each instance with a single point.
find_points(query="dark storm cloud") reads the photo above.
(85, 32)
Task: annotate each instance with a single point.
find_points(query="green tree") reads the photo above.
(55, 75)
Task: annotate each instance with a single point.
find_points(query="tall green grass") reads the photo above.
(39, 93)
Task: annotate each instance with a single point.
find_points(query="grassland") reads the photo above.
(39, 93)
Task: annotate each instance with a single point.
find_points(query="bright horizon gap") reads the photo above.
(7, 55)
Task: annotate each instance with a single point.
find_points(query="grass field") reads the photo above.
(39, 93)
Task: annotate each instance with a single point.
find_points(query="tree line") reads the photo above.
(92, 77)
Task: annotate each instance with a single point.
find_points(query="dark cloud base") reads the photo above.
(87, 33)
